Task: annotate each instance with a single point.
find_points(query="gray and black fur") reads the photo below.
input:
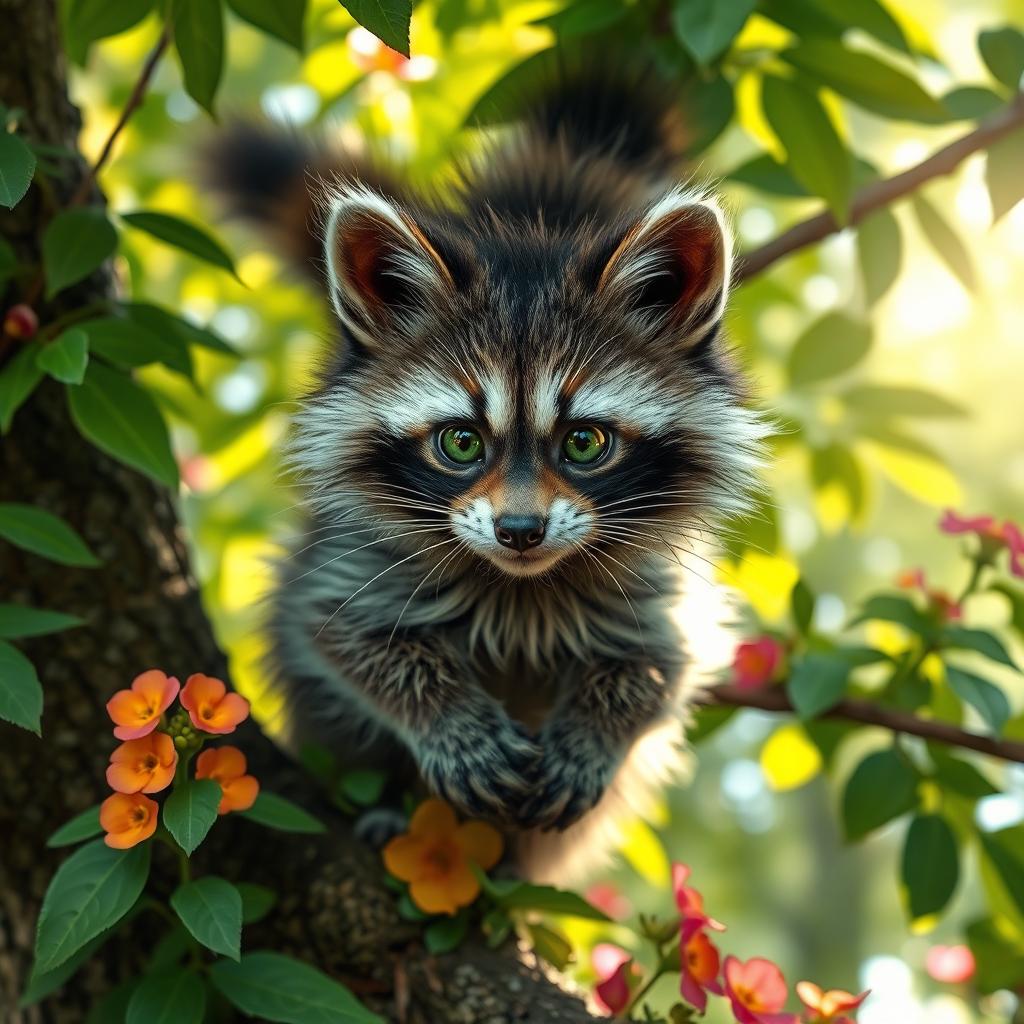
(567, 281)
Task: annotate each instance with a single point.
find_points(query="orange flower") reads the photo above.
(700, 966)
(145, 765)
(128, 819)
(828, 1006)
(227, 765)
(435, 855)
(211, 707)
(137, 711)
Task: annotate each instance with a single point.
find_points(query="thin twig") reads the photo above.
(881, 193)
(774, 699)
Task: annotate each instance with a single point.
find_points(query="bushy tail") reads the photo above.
(275, 178)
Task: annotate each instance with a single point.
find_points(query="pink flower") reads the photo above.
(993, 534)
(826, 1007)
(952, 965)
(699, 964)
(691, 905)
(757, 662)
(609, 898)
(616, 972)
(757, 991)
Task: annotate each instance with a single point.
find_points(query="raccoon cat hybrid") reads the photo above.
(529, 413)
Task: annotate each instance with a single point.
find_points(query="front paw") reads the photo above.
(574, 772)
(481, 762)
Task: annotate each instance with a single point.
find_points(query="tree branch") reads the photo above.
(773, 698)
(882, 193)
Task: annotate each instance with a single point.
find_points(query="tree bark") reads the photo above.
(142, 609)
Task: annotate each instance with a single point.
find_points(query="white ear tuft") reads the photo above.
(381, 267)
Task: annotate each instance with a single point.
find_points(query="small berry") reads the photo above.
(21, 321)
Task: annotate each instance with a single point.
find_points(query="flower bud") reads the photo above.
(21, 322)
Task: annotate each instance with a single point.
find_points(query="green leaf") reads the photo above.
(81, 826)
(276, 812)
(960, 776)
(895, 608)
(931, 865)
(986, 698)
(257, 901)
(970, 102)
(85, 21)
(166, 325)
(75, 243)
(1005, 850)
(901, 401)
(17, 620)
(190, 812)
(211, 909)
(945, 241)
(184, 235)
(882, 787)
(17, 165)
(830, 346)
(504, 96)
(999, 956)
(978, 640)
(1002, 50)
(176, 996)
(92, 890)
(21, 696)
(1002, 173)
(66, 358)
(18, 379)
(764, 172)
(120, 418)
(446, 934)
(512, 895)
(388, 20)
(879, 253)
(276, 988)
(817, 683)
(129, 343)
(706, 28)
(1015, 597)
(801, 605)
(582, 17)
(43, 533)
(363, 787)
(550, 945)
(8, 260)
(284, 21)
(815, 154)
(42, 983)
(199, 40)
(866, 80)
(829, 19)
(710, 107)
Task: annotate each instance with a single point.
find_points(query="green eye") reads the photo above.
(461, 444)
(584, 445)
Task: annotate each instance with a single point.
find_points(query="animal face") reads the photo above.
(531, 399)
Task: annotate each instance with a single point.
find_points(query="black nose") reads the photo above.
(519, 532)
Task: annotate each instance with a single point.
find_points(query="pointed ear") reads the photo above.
(674, 265)
(382, 270)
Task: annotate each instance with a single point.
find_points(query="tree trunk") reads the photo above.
(142, 610)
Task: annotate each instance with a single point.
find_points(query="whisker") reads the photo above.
(363, 547)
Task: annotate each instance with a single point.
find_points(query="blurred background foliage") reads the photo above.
(927, 296)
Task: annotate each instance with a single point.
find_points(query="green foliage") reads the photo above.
(18, 379)
(445, 934)
(831, 346)
(211, 909)
(190, 812)
(86, 21)
(43, 533)
(945, 242)
(128, 342)
(82, 826)
(706, 28)
(1002, 173)
(277, 988)
(21, 695)
(986, 698)
(76, 242)
(512, 895)
(182, 235)
(176, 996)
(66, 358)
(199, 42)
(91, 891)
(882, 787)
(257, 901)
(17, 165)
(1002, 50)
(816, 683)
(931, 865)
(17, 621)
(276, 812)
(387, 19)
(120, 417)
(879, 254)
(284, 21)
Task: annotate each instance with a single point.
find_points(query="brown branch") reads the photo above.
(774, 699)
(881, 193)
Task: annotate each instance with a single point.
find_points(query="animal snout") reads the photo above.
(519, 532)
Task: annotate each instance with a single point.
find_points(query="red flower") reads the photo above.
(690, 904)
(616, 974)
(993, 535)
(952, 965)
(828, 1007)
(700, 965)
(757, 662)
(609, 897)
(757, 991)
